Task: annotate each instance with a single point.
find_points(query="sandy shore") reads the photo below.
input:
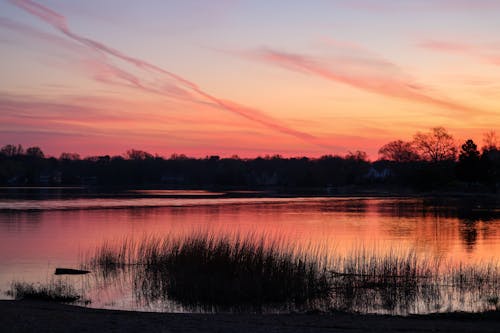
(24, 316)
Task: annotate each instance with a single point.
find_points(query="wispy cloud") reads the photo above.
(422, 5)
(363, 72)
(171, 80)
(486, 53)
(7, 23)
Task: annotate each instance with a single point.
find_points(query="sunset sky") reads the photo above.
(245, 77)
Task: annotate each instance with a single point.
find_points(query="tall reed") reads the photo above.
(230, 271)
(221, 270)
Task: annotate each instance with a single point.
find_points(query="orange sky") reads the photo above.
(245, 77)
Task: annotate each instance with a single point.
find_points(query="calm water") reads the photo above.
(44, 229)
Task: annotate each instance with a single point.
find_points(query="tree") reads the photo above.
(134, 154)
(468, 167)
(436, 146)
(490, 160)
(398, 151)
(35, 152)
(490, 141)
(12, 150)
(178, 157)
(358, 155)
(469, 151)
(69, 156)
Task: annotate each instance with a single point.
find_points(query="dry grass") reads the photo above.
(204, 270)
(54, 291)
(223, 271)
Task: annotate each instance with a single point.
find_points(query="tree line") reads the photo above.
(431, 161)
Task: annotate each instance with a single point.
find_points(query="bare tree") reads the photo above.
(490, 141)
(398, 151)
(358, 155)
(12, 150)
(436, 145)
(134, 154)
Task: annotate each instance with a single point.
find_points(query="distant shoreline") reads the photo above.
(264, 191)
(29, 316)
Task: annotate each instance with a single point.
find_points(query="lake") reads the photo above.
(41, 229)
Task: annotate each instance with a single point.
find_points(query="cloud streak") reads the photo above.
(47, 37)
(358, 73)
(58, 22)
(422, 5)
(489, 55)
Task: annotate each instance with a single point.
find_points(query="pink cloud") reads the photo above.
(422, 5)
(355, 73)
(47, 37)
(94, 111)
(108, 73)
(486, 53)
(58, 21)
(445, 46)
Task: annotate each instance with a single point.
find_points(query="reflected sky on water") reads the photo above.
(39, 234)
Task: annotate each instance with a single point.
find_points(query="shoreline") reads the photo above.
(35, 316)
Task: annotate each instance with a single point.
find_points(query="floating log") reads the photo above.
(70, 271)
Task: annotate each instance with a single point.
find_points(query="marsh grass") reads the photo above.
(54, 291)
(483, 276)
(224, 271)
(212, 272)
(392, 281)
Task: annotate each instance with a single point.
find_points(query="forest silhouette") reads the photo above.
(432, 161)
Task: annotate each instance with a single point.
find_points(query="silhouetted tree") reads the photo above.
(133, 154)
(436, 146)
(398, 151)
(178, 157)
(469, 151)
(12, 150)
(69, 156)
(490, 161)
(139, 168)
(358, 155)
(490, 141)
(468, 167)
(35, 152)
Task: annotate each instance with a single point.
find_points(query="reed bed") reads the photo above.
(395, 281)
(225, 271)
(483, 276)
(54, 291)
(209, 271)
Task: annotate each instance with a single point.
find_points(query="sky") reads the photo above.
(247, 78)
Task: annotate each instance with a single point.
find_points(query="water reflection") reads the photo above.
(48, 230)
(395, 283)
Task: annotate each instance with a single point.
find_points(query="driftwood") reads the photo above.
(70, 271)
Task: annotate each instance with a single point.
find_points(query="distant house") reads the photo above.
(172, 179)
(89, 180)
(330, 189)
(266, 179)
(375, 174)
(47, 178)
(17, 180)
(44, 178)
(57, 177)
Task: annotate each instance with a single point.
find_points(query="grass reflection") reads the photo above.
(228, 272)
(207, 272)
